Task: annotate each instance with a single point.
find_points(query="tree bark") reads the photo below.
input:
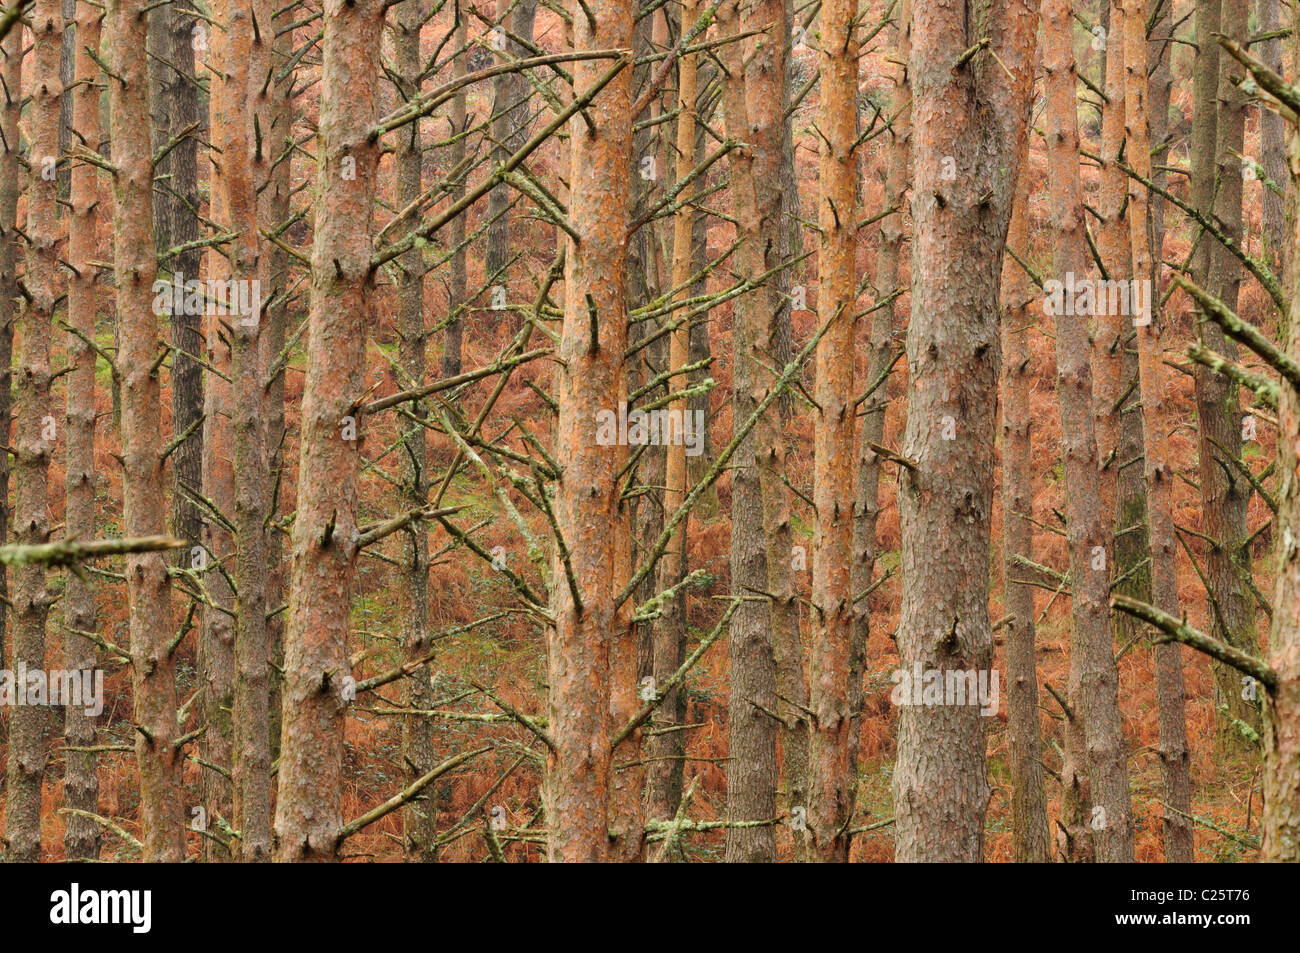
(246, 101)
(81, 781)
(1159, 472)
(1094, 679)
(10, 254)
(969, 121)
(453, 337)
(592, 648)
(273, 210)
(153, 675)
(216, 654)
(1272, 142)
(420, 816)
(1116, 418)
(832, 770)
(1225, 496)
(1281, 772)
(175, 106)
(508, 129)
(664, 776)
(35, 435)
(325, 537)
(1029, 797)
(752, 769)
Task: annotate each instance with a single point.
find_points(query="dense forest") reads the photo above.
(649, 430)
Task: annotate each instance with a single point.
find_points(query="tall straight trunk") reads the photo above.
(1225, 496)
(831, 769)
(880, 356)
(1281, 773)
(81, 782)
(648, 271)
(456, 289)
(1114, 362)
(1159, 15)
(664, 776)
(216, 653)
(791, 675)
(1031, 843)
(969, 123)
(216, 649)
(509, 125)
(1205, 118)
(701, 349)
(175, 107)
(11, 69)
(1159, 471)
(1272, 141)
(1109, 379)
(244, 98)
(273, 211)
(35, 434)
(420, 817)
(592, 648)
(769, 348)
(153, 670)
(1094, 679)
(309, 797)
(751, 770)
(67, 63)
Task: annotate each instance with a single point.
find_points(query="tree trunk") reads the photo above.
(216, 654)
(316, 672)
(1114, 362)
(1094, 679)
(274, 210)
(420, 816)
(81, 782)
(1281, 773)
(791, 676)
(969, 121)
(832, 771)
(1272, 142)
(664, 776)
(456, 290)
(245, 100)
(508, 129)
(1159, 472)
(880, 356)
(153, 670)
(752, 770)
(592, 643)
(175, 106)
(10, 253)
(1029, 797)
(1225, 496)
(35, 436)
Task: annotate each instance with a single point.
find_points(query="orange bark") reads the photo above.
(592, 648)
(832, 772)
(1095, 741)
(1159, 469)
(153, 671)
(34, 441)
(309, 801)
